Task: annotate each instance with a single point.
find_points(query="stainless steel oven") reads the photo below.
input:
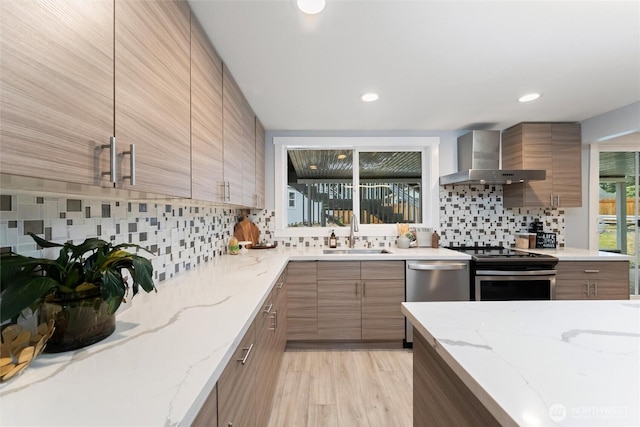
(500, 285)
(503, 274)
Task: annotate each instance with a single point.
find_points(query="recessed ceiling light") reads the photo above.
(369, 97)
(311, 7)
(529, 97)
(313, 167)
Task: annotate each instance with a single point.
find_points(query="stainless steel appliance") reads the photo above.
(479, 162)
(435, 281)
(501, 274)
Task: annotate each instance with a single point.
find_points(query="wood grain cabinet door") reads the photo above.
(206, 118)
(302, 301)
(237, 385)
(152, 90)
(260, 148)
(232, 135)
(339, 300)
(382, 296)
(56, 89)
(577, 280)
(567, 164)
(554, 147)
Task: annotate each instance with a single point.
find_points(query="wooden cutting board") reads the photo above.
(246, 230)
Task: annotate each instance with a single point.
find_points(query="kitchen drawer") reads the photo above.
(339, 270)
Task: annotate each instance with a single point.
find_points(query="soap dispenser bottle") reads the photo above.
(333, 242)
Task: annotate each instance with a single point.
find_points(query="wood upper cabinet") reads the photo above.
(554, 147)
(260, 148)
(152, 89)
(577, 280)
(248, 156)
(56, 89)
(233, 142)
(302, 301)
(206, 118)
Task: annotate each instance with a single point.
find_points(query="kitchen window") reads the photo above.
(383, 181)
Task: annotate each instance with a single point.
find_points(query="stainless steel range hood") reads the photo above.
(479, 162)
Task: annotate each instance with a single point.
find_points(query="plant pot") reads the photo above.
(81, 319)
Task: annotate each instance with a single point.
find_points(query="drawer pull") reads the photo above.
(592, 271)
(112, 159)
(280, 285)
(587, 285)
(267, 309)
(246, 355)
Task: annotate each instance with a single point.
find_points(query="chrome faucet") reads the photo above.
(353, 229)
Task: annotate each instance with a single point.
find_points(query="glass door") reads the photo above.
(618, 217)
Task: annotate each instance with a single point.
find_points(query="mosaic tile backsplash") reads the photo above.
(469, 215)
(475, 214)
(183, 233)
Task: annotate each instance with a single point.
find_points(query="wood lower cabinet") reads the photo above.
(382, 296)
(302, 301)
(56, 89)
(554, 147)
(339, 300)
(271, 340)
(152, 90)
(237, 385)
(208, 415)
(206, 118)
(360, 300)
(578, 280)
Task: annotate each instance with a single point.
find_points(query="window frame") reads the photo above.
(429, 147)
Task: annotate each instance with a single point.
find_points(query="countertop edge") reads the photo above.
(492, 406)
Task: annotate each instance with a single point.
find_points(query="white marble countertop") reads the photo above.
(168, 349)
(541, 363)
(575, 254)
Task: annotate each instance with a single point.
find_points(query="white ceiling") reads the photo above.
(437, 65)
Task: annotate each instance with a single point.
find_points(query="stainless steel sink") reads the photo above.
(355, 251)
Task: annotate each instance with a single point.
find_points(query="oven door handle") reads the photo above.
(516, 273)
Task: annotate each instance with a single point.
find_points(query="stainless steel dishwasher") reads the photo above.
(436, 281)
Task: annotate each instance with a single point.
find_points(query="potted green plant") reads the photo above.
(80, 290)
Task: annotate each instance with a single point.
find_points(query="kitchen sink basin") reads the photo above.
(355, 251)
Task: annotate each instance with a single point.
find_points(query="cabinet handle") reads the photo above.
(275, 321)
(356, 288)
(592, 271)
(228, 195)
(364, 289)
(132, 163)
(587, 286)
(280, 285)
(112, 159)
(595, 289)
(267, 309)
(551, 199)
(558, 205)
(246, 355)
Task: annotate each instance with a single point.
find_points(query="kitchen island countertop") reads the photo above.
(539, 363)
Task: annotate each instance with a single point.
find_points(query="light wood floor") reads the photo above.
(344, 388)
